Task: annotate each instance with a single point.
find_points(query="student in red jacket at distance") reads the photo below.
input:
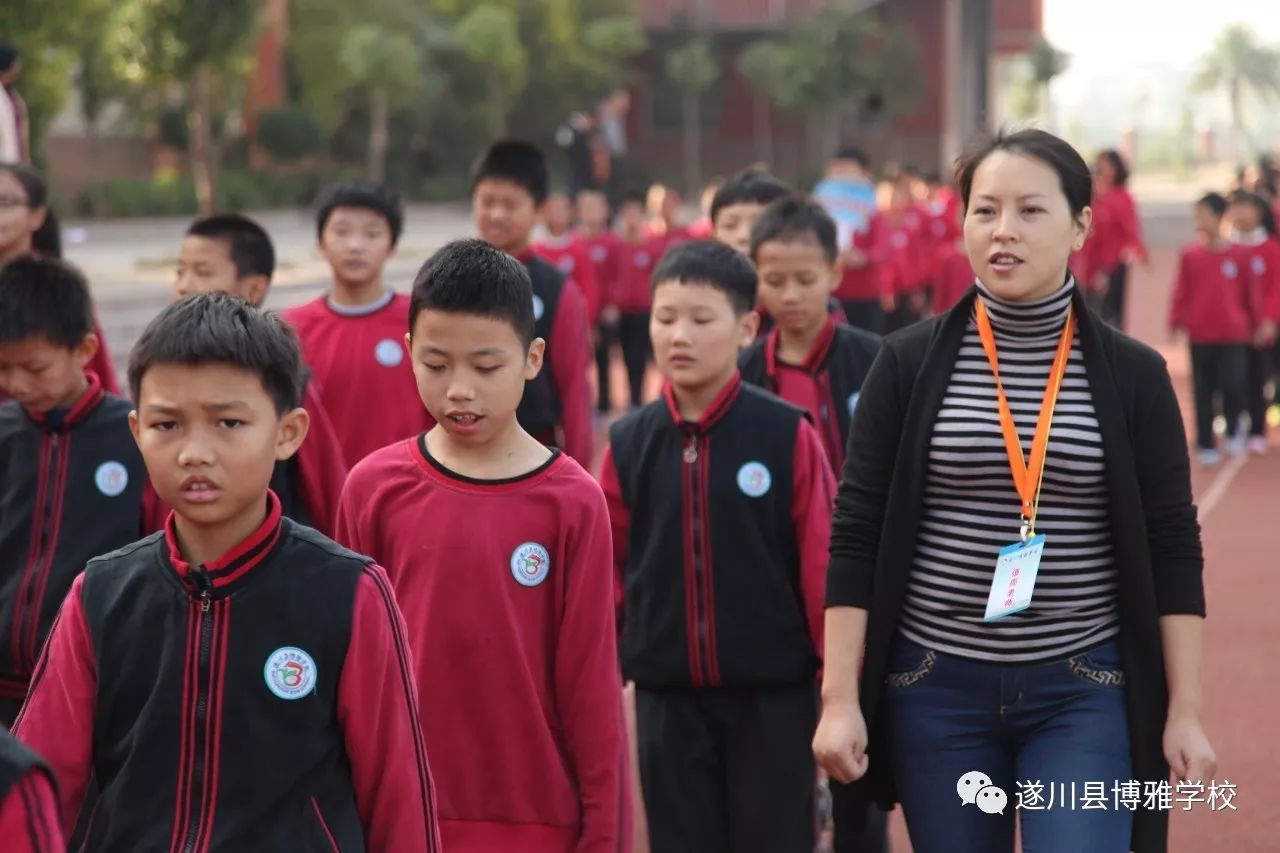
(233, 254)
(24, 221)
(352, 337)
(1117, 231)
(663, 204)
(899, 255)
(508, 185)
(603, 251)
(1254, 230)
(1216, 302)
(567, 251)
(499, 551)
(638, 254)
(952, 272)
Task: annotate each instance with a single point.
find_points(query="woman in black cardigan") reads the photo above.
(969, 706)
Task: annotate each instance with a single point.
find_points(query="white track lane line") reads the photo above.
(1218, 488)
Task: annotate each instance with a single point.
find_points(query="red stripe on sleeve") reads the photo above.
(619, 524)
(813, 501)
(570, 351)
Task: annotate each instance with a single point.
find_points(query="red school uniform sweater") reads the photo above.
(507, 591)
(602, 252)
(569, 253)
(1215, 298)
(898, 254)
(952, 276)
(1116, 227)
(635, 263)
(359, 359)
(1263, 255)
(864, 283)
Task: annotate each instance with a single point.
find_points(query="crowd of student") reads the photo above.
(339, 579)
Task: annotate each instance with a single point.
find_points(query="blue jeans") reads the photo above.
(1051, 724)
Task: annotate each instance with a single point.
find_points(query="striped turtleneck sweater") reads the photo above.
(971, 506)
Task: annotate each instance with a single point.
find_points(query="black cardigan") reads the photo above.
(1153, 521)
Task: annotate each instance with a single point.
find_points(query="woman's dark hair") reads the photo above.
(47, 239)
(1073, 172)
(1118, 166)
(32, 183)
(1266, 216)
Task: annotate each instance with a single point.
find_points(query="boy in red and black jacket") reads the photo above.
(508, 186)
(238, 681)
(720, 496)
(28, 801)
(808, 359)
(73, 482)
(499, 549)
(233, 254)
(352, 337)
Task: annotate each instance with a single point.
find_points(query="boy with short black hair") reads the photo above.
(233, 254)
(73, 479)
(237, 682)
(499, 551)
(352, 336)
(720, 496)
(808, 358)
(509, 184)
(739, 202)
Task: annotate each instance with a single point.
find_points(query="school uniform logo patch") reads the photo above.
(899, 240)
(1259, 265)
(538, 307)
(642, 259)
(853, 401)
(566, 264)
(111, 478)
(290, 673)
(389, 353)
(1229, 269)
(754, 479)
(530, 564)
(598, 254)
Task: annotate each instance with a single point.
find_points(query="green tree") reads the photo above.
(763, 64)
(490, 37)
(191, 44)
(383, 65)
(1238, 64)
(692, 67)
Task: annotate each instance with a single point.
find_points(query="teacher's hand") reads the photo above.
(840, 743)
(1187, 749)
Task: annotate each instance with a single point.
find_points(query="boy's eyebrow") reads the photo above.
(165, 409)
(430, 350)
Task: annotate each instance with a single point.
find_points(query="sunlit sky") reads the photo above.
(1108, 38)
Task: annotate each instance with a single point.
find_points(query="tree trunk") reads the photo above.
(692, 141)
(1234, 146)
(763, 130)
(200, 142)
(379, 118)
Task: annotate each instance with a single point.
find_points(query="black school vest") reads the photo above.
(187, 695)
(712, 586)
(66, 496)
(539, 409)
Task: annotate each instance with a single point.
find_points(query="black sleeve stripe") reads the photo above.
(405, 661)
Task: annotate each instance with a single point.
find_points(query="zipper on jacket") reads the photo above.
(200, 712)
(699, 563)
(26, 615)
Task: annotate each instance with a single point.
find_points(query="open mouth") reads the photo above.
(1005, 261)
(200, 490)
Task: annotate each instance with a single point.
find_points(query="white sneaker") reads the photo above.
(1209, 457)
(1236, 445)
(1258, 445)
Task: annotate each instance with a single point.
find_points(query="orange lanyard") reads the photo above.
(1027, 475)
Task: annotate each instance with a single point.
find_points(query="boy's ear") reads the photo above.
(254, 289)
(533, 360)
(291, 432)
(86, 349)
(748, 327)
(134, 427)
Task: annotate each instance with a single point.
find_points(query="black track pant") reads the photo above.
(633, 330)
(1219, 369)
(865, 314)
(728, 770)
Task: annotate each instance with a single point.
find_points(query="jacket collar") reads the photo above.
(814, 360)
(718, 409)
(237, 562)
(62, 420)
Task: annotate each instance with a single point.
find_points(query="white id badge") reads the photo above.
(1015, 578)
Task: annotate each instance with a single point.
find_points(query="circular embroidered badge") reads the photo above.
(1259, 265)
(754, 479)
(566, 265)
(538, 307)
(111, 478)
(530, 564)
(290, 673)
(1229, 269)
(598, 254)
(853, 401)
(389, 353)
